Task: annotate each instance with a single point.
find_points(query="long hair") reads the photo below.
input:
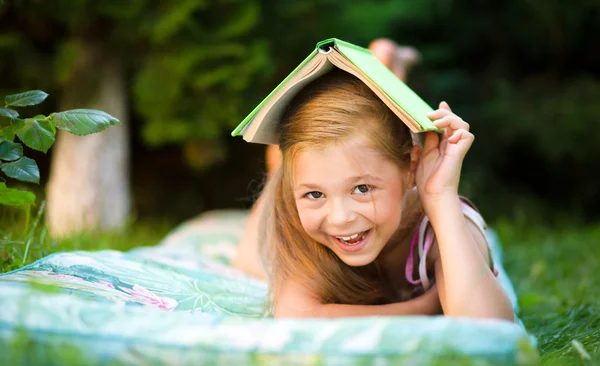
(333, 108)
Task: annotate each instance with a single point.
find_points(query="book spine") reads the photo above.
(353, 46)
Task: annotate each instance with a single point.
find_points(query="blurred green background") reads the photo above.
(524, 73)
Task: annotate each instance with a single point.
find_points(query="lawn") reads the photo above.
(555, 272)
(19, 246)
(556, 276)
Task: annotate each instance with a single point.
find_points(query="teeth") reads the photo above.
(346, 238)
(352, 237)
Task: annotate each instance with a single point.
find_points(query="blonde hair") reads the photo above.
(333, 108)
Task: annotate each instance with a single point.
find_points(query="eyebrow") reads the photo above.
(365, 177)
(368, 177)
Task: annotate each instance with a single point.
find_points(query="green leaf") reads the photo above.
(37, 132)
(83, 121)
(15, 197)
(31, 97)
(7, 134)
(10, 113)
(24, 169)
(10, 151)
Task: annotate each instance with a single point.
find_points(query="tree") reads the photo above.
(165, 50)
(89, 177)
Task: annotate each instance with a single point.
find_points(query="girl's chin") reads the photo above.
(360, 260)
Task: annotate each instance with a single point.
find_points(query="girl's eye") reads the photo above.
(362, 189)
(314, 194)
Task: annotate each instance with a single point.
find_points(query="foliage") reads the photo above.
(524, 74)
(189, 60)
(37, 133)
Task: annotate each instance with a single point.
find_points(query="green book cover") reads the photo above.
(357, 59)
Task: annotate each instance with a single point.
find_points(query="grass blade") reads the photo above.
(32, 231)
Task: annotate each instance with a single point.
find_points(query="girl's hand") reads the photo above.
(438, 172)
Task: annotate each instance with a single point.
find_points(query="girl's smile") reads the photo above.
(353, 243)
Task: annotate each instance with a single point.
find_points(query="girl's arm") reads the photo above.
(466, 285)
(296, 301)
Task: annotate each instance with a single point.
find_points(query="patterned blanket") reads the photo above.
(181, 303)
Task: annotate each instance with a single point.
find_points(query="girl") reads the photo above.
(340, 221)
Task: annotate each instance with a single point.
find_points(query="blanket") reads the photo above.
(180, 302)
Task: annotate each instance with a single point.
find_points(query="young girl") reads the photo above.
(344, 231)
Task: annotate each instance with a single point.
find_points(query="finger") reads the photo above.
(444, 105)
(452, 121)
(496, 272)
(455, 137)
(459, 135)
(432, 141)
(438, 113)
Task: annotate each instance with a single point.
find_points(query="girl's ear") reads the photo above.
(415, 158)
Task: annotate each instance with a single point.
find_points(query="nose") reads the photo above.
(340, 213)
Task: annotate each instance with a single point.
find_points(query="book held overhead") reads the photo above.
(260, 126)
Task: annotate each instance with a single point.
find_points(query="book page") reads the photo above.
(263, 127)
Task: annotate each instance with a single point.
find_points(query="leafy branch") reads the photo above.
(38, 133)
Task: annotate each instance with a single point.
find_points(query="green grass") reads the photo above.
(22, 244)
(556, 276)
(556, 273)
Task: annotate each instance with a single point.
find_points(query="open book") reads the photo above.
(260, 126)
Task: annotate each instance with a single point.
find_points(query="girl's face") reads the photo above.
(349, 198)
